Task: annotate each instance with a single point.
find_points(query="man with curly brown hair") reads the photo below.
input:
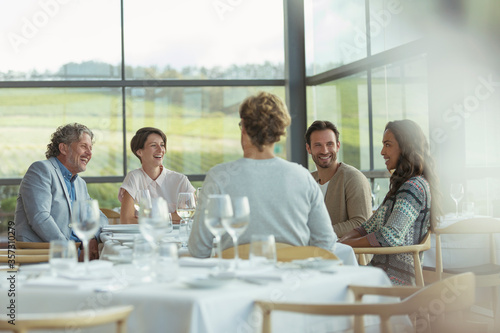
(49, 187)
(284, 199)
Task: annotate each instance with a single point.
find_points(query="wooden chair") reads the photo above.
(37, 245)
(32, 245)
(415, 250)
(113, 217)
(244, 250)
(436, 300)
(290, 253)
(73, 320)
(487, 275)
(25, 251)
(24, 258)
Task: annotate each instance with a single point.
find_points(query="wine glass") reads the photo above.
(154, 220)
(198, 193)
(376, 189)
(457, 193)
(143, 197)
(218, 209)
(186, 206)
(85, 221)
(236, 226)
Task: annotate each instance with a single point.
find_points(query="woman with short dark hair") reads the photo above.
(149, 145)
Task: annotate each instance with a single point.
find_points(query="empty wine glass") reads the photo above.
(198, 193)
(217, 210)
(143, 197)
(375, 191)
(457, 193)
(85, 221)
(236, 226)
(154, 220)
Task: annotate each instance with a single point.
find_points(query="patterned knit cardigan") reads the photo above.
(403, 219)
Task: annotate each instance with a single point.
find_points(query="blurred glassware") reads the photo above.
(262, 250)
(457, 193)
(85, 221)
(236, 226)
(62, 256)
(218, 209)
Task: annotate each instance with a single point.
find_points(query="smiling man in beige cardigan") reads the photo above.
(346, 190)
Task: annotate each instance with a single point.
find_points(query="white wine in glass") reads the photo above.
(236, 226)
(186, 206)
(457, 194)
(217, 211)
(85, 221)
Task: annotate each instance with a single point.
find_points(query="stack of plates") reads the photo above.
(122, 228)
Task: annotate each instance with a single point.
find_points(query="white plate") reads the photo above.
(205, 282)
(118, 259)
(123, 237)
(123, 228)
(99, 269)
(317, 263)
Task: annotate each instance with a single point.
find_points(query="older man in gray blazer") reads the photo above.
(43, 211)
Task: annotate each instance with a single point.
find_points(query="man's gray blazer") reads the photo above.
(43, 211)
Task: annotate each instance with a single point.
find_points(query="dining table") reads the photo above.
(460, 250)
(118, 241)
(199, 295)
(196, 299)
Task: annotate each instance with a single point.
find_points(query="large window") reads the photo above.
(344, 103)
(117, 66)
(184, 66)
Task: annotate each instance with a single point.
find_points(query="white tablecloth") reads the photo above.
(175, 307)
(114, 247)
(460, 250)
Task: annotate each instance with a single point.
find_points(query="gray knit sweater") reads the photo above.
(284, 201)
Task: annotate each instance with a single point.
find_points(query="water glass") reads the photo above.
(62, 256)
(262, 250)
(468, 209)
(184, 231)
(143, 255)
(167, 263)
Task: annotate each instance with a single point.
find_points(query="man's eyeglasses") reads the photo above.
(239, 124)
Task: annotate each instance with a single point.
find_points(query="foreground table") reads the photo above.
(177, 307)
(121, 244)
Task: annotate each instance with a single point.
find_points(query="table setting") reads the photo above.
(194, 295)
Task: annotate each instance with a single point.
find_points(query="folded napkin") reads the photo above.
(121, 228)
(271, 275)
(265, 273)
(50, 282)
(198, 262)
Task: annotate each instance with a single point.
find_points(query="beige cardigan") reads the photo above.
(348, 199)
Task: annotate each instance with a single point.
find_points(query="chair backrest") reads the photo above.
(79, 319)
(32, 245)
(24, 251)
(244, 251)
(24, 258)
(453, 294)
(290, 253)
(113, 217)
(37, 245)
(415, 250)
(483, 225)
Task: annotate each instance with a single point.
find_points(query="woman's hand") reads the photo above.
(127, 211)
(350, 235)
